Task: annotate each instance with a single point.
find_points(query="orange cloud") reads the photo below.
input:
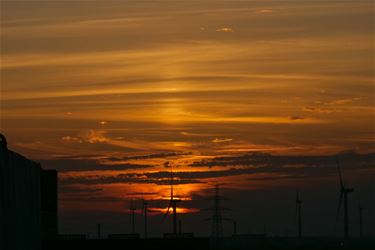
(319, 110)
(219, 140)
(265, 11)
(225, 29)
(345, 101)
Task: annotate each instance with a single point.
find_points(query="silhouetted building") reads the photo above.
(24, 190)
(49, 204)
(20, 201)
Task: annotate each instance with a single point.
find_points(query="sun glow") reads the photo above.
(179, 210)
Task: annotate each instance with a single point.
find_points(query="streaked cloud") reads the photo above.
(296, 118)
(71, 139)
(248, 164)
(319, 110)
(265, 11)
(345, 101)
(79, 165)
(220, 140)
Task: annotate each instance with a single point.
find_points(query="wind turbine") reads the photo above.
(299, 214)
(344, 191)
(172, 203)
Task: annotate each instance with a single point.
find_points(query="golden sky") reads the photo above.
(107, 91)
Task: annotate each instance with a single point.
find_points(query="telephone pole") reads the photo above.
(132, 212)
(145, 210)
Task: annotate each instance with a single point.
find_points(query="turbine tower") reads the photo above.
(172, 202)
(299, 214)
(344, 191)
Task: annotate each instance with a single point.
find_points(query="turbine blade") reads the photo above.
(339, 206)
(168, 210)
(339, 171)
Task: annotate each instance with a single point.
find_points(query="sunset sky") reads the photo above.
(257, 95)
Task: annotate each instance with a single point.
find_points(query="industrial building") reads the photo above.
(49, 204)
(28, 201)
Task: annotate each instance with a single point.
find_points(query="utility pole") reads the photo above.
(145, 210)
(234, 227)
(299, 214)
(132, 211)
(360, 210)
(99, 231)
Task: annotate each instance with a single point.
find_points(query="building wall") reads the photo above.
(49, 204)
(20, 202)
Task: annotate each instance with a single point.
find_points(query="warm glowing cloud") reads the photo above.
(345, 101)
(319, 110)
(220, 140)
(225, 29)
(265, 11)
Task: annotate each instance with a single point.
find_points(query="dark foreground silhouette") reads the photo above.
(206, 243)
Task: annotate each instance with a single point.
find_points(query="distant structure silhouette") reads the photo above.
(49, 193)
(4, 148)
(145, 211)
(299, 214)
(28, 201)
(132, 213)
(360, 211)
(99, 231)
(217, 219)
(344, 192)
(234, 227)
(172, 202)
